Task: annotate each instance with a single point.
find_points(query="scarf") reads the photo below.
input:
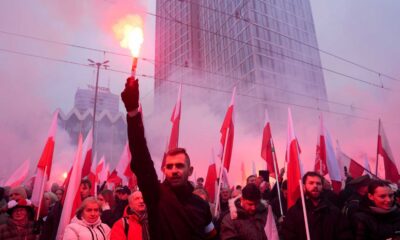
(143, 220)
(382, 211)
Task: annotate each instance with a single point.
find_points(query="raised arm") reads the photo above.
(141, 162)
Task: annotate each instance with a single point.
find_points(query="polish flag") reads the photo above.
(353, 167)
(384, 151)
(227, 134)
(243, 171)
(92, 176)
(87, 164)
(211, 179)
(123, 168)
(72, 196)
(267, 148)
(99, 169)
(366, 166)
(270, 226)
(44, 165)
(293, 164)
(326, 161)
(175, 119)
(18, 176)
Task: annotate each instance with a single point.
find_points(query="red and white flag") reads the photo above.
(293, 164)
(175, 119)
(227, 134)
(72, 195)
(267, 148)
(44, 165)
(325, 161)
(123, 169)
(100, 169)
(243, 172)
(211, 179)
(72, 198)
(19, 175)
(353, 168)
(270, 226)
(384, 151)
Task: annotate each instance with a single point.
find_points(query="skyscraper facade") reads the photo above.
(266, 48)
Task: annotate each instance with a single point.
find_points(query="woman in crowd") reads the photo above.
(106, 200)
(20, 223)
(380, 219)
(87, 225)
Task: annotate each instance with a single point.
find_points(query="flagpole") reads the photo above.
(377, 148)
(304, 210)
(276, 176)
(41, 193)
(220, 172)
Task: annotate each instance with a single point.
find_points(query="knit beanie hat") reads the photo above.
(251, 192)
(18, 190)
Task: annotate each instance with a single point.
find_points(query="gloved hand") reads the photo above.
(130, 95)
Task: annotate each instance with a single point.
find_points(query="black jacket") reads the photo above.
(372, 224)
(325, 222)
(173, 213)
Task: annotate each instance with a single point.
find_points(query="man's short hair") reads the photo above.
(176, 151)
(247, 179)
(86, 181)
(200, 179)
(312, 174)
(251, 192)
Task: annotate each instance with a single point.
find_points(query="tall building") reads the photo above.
(110, 123)
(266, 48)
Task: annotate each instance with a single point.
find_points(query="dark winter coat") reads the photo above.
(325, 222)
(174, 214)
(239, 225)
(9, 231)
(50, 226)
(374, 224)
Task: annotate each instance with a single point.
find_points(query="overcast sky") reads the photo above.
(39, 76)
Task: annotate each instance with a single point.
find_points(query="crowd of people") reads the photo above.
(177, 209)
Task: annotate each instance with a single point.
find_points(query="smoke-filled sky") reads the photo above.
(39, 76)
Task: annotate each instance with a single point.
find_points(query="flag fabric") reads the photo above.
(44, 165)
(227, 134)
(326, 161)
(270, 226)
(366, 166)
(243, 171)
(353, 167)
(100, 169)
(384, 151)
(18, 176)
(72, 195)
(211, 179)
(175, 119)
(254, 169)
(123, 168)
(267, 149)
(293, 164)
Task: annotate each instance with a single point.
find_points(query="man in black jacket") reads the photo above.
(174, 211)
(324, 219)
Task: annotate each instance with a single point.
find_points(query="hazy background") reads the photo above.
(39, 76)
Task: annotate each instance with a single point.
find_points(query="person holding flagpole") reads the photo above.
(174, 212)
(325, 221)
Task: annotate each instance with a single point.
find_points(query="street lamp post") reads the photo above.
(97, 65)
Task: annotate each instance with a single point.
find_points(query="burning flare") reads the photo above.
(129, 31)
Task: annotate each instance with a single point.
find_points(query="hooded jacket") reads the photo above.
(374, 223)
(238, 224)
(79, 229)
(174, 213)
